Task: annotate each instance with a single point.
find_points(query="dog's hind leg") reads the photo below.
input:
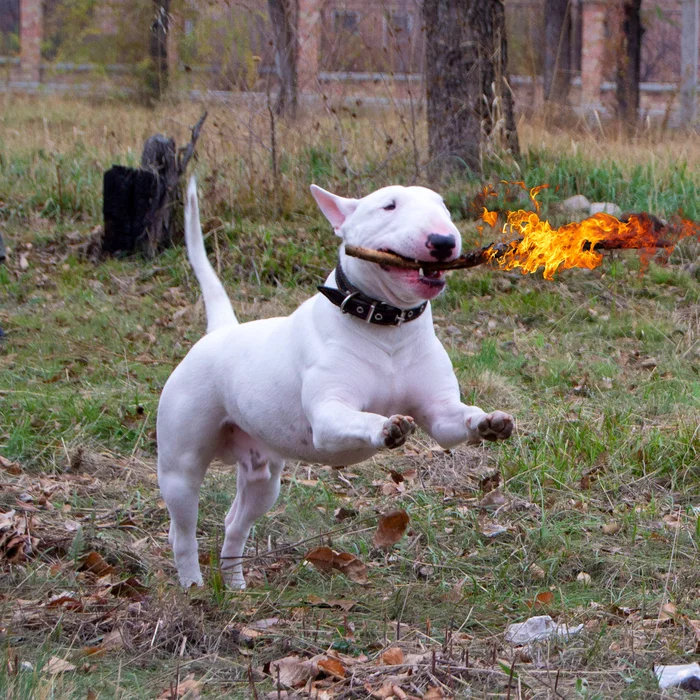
(180, 478)
(258, 486)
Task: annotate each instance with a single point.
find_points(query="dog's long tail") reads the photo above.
(216, 301)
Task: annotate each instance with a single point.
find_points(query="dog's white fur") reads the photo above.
(318, 386)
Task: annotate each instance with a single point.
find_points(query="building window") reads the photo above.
(398, 27)
(346, 21)
(400, 23)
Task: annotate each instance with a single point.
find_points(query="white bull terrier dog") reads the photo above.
(344, 376)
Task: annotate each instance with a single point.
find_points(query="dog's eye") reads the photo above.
(390, 207)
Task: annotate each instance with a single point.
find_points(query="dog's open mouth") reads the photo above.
(430, 278)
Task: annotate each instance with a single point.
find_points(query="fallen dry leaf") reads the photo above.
(112, 640)
(10, 467)
(352, 567)
(391, 528)
(342, 603)
(536, 571)
(493, 499)
(129, 588)
(388, 690)
(392, 657)
(95, 564)
(344, 513)
(396, 477)
(541, 599)
(265, 624)
(673, 520)
(65, 601)
(292, 671)
(489, 529)
(188, 688)
(667, 612)
(695, 626)
(333, 667)
(322, 558)
(57, 665)
(433, 693)
(326, 560)
(611, 528)
(490, 482)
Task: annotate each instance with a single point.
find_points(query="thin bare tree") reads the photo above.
(157, 77)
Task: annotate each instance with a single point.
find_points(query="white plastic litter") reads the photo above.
(539, 627)
(684, 675)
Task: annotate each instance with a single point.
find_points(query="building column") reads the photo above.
(31, 27)
(689, 62)
(592, 52)
(309, 29)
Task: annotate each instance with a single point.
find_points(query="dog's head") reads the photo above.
(411, 221)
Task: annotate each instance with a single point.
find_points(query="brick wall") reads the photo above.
(325, 24)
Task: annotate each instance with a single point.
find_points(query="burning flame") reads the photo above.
(490, 217)
(578, 244)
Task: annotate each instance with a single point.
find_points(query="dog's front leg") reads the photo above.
(338, 426)
(451, 423)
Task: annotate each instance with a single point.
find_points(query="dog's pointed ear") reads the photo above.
(336, 209)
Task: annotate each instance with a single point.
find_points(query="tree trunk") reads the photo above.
(469, 102)
(629, 63)
(158, 49)
(282, 21)
(557, 50)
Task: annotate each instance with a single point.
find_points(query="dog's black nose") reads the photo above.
(440, 246)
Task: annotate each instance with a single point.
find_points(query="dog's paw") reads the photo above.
(396, 431)
(191, 580)
(491, 426)
(235, 583)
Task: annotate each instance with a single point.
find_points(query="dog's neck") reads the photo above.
(355, 302)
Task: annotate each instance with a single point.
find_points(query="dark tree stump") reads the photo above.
(160, 158)
(128, 198)
(3, 254)
(141, 206)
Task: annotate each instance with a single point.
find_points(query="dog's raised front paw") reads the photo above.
(396, 431)
(491, 426)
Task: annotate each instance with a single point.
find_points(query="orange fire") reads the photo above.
(578, 244)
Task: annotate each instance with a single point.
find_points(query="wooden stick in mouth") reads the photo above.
(471, 258)
(382, 257)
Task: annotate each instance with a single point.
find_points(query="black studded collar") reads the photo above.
(350, 300)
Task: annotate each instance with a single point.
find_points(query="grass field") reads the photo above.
(589, 513)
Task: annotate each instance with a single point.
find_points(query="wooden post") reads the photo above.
(689, 62)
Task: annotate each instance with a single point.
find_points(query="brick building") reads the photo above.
(361, 47)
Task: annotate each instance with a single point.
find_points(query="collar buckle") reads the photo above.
(346, 300)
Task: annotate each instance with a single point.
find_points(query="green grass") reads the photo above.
(599, 368)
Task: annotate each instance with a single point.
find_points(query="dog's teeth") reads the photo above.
(421, 273)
